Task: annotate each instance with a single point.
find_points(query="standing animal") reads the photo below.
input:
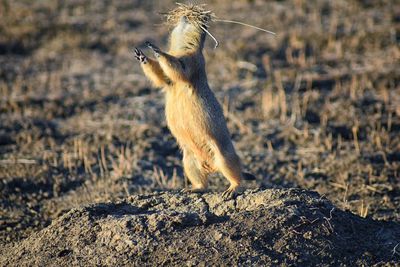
(194, 116)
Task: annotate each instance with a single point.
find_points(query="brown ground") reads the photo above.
(259, 228)
(317, 107)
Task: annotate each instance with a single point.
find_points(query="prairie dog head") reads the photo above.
(187, 36)
(190, 23)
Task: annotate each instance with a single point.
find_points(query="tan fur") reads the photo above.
(193, 114)
(154, 72)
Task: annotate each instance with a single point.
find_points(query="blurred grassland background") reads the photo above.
(316, 107)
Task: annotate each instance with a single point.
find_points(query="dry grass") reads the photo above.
(196, 14)
(315, 107)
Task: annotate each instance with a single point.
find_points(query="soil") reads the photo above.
(271, 227)
(84, 142)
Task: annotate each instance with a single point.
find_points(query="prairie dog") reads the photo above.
(194, 116)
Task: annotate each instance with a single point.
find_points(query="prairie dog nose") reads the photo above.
(184, 19)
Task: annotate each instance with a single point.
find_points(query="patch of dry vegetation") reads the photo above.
(316, 107)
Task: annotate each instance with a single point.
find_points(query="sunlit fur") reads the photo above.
(186, 37)
(193, 114)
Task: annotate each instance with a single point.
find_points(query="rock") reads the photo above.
(259, 227)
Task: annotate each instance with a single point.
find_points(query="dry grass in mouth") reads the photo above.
(196, 14)
(200, 17)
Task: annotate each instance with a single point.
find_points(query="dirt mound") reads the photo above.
(275, 226)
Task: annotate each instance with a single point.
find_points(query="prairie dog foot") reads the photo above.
(155, 49)
(140, 56)
(230, 193)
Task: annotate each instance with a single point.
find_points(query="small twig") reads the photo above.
(18, 161)
(125, 184)
(296, 232)
(304, 219)
(244, 24)
(394, 250)
(212, 36)
(330, 218)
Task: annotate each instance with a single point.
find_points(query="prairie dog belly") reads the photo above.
(189, 120)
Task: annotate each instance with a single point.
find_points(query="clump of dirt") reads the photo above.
(259, 227)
